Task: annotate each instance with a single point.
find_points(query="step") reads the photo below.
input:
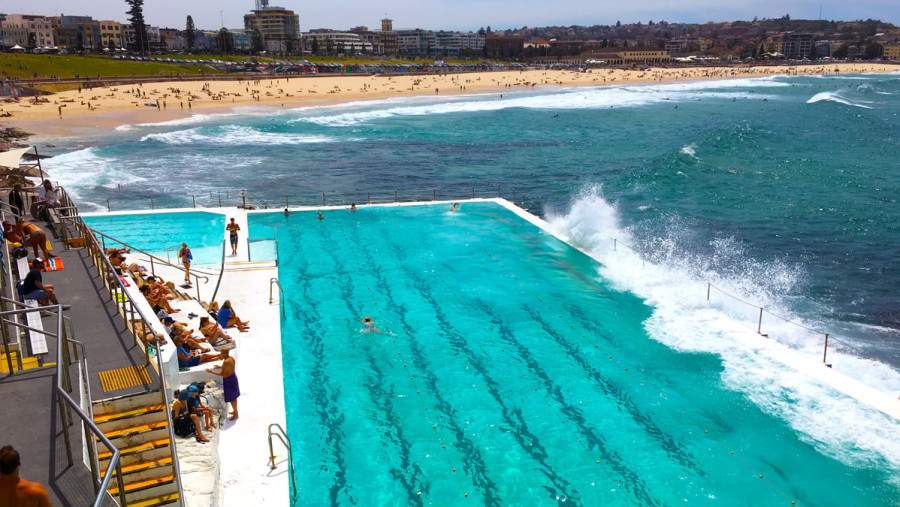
(131, 417)
(126, 402)
(150, 454)
(146, 474)
(142, 466)
(131, 439)
(141, 447)
(136, 429)
(164, 499)
(137, 486)
(162, 490)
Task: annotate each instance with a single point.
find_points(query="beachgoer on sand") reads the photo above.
(229, 381)
(233, 229)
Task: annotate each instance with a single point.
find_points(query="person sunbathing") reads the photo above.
(156, 300)
(118, 261)
(227, 318)
(157, 280)
(142, 331)
(188, 359)
(158, 290)
(190, 343)
(212, 331)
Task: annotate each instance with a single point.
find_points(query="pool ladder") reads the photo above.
(273, 282)
(280, 433)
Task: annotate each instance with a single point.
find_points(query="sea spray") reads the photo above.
(674, 284)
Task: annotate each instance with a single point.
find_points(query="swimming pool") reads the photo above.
(511, 374)
(155, 232)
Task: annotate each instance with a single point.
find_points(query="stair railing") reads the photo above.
(117, 287)
(282, 435)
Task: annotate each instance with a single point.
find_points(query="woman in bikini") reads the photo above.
(36, 237)
(185, 255)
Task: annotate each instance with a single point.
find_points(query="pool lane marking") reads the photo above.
(365, 274)
(631, 372)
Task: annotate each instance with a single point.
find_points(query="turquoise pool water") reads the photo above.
(153, 233)
(510, 373)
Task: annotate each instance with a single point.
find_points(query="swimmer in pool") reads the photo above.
(370, 325)
(453, 208)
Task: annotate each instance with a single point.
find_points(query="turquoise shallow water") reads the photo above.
(778, 191)
(506, 360)
(203, 232)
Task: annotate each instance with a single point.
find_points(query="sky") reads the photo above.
(465, 14)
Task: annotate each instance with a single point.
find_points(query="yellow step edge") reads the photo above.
(131, 486)
(171, 497)
(134, 429)
(128, 413)
(146, 446)
(144, 465)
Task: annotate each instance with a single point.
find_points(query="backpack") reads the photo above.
(20, 287)
(183, 426)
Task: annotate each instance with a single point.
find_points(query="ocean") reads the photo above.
(776, 192)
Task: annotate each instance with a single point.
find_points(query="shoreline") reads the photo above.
(75, 113)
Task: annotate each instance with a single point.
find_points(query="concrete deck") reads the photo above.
(28, 408)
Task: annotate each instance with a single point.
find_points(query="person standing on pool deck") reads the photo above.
(185, 255)
(229, 380)
(233, 229)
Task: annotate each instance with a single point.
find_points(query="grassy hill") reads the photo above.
(25, 66)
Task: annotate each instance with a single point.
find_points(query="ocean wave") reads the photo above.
(234, 135)
(689, 150)
(837, 97)
(83, 169)
(600, 97)
(726, 327)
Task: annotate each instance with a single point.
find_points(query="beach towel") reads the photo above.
(231, 387)
(54, 264)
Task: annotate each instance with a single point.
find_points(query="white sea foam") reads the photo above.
(674, 284)
(837, 97)
(689, 150)
(235, 135)
(600, 97)
(85, 169)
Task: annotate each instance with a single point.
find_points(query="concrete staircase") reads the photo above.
(137, 425)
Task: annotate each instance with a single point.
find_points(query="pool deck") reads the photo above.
(245, 477)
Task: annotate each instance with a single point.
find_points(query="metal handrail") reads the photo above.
(286, 441)
(274, 281)
(63, 377)
(89, 233)
(221, 271)
(148, 254)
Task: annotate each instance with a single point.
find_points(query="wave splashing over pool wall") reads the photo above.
(674, 283)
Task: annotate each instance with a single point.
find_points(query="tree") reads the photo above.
(812, 52)
(224, 41)
(190, 32)
(315, 46)
(136, 17)
(618, 24)
(489, 29)
(257, 43)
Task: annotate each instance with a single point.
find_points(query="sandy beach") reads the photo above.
(157, 102)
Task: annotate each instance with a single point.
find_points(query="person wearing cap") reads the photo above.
(33, 286)
(187, 398)
(13, 489)
(229, 381)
